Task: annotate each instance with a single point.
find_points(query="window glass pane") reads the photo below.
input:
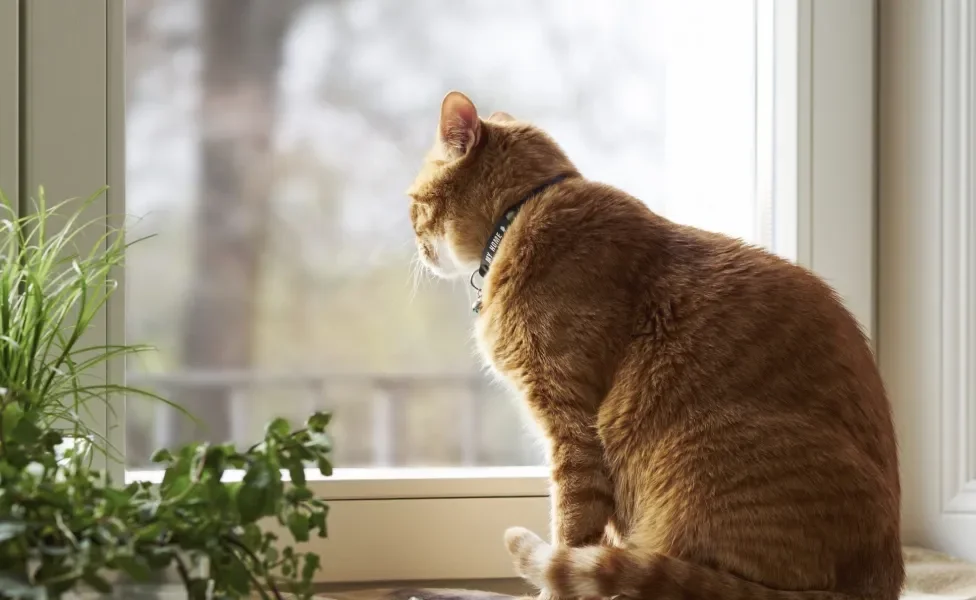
(269, 146)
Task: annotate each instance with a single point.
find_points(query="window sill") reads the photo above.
(409, 483)
(418, 524)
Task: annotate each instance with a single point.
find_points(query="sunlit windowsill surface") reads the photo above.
(387, 483)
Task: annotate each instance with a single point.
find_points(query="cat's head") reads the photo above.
(476, 169)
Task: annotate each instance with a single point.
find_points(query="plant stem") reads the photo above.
(290, 436)
(254, 559)
(182, 570)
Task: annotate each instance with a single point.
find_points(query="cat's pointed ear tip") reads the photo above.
(455, 101)
(460, 127)
(456, 95)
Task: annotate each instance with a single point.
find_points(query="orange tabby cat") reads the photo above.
(717, 426)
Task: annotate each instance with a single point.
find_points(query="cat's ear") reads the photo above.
(501, 117)
(459, 128)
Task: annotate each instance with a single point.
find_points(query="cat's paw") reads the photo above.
(530, 554)
(520, 540)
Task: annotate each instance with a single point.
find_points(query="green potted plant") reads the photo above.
(65, 526)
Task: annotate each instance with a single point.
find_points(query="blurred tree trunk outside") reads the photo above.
(241, 43)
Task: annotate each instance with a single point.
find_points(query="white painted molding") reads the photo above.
(115, 207)
(836, 149)
(816, 94)
(958, 394)
(9, 98)
(816, 131)
(926, 263)
(64, 120)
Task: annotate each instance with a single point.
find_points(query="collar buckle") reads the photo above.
(476, 307)
(495, 240)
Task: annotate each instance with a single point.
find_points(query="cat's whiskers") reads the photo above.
(418, 273)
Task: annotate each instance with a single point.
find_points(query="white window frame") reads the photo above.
(927, 262)
(425, 525)
(9, 99)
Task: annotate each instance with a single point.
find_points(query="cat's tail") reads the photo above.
(605, 571)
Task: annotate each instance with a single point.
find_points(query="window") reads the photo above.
(268, 144)
(269, 154)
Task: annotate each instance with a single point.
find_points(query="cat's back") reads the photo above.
(738, 334)
(765, 323)
(750, 393)
(730, 322)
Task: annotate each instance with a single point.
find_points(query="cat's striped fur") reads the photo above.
(604, 571)
(716, 422)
